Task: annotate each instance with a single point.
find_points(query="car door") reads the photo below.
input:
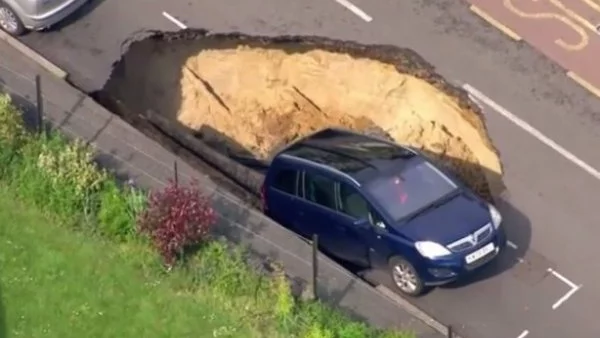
(320, 215)
(282, 198)
(360, 240)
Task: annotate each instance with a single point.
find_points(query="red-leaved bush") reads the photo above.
(177, 217)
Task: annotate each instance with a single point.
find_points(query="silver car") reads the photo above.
(18, 16)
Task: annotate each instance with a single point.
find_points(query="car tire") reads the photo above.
(405, 277)
(10, 21)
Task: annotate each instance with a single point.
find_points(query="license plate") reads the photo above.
(472, 257)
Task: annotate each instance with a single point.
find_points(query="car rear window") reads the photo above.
(286, 181)
(419, 185)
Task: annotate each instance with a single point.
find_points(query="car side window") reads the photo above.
(353, 204)
(319, 189)
(286, 180)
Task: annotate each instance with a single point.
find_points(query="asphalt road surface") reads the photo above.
(546, 127)
(566, 31)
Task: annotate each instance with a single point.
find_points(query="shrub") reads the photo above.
(71, 164)
(12, 131)
(119, 210)
(176, 219)
(58, 175)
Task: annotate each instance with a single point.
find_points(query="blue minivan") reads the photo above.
(377, 204)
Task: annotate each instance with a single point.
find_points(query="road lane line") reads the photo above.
(565, 297)
(174, 20)
(512, 245)
(531, 130)
(354, 9)
(562, 278)
(523, 334)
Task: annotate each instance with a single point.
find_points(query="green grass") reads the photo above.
(56, 282)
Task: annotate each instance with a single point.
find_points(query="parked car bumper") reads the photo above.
(442, 271)
(52, 17)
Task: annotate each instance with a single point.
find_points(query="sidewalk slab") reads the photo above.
(131, 153)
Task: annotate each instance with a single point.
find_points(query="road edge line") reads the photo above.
(413, 310)
(583, 83)
(497, 24)
(34, 56)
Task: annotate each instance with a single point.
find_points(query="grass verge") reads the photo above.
(74, 262)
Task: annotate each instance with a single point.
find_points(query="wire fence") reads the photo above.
(242, 223)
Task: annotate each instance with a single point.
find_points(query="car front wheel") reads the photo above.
(9, 21)
(405, 277)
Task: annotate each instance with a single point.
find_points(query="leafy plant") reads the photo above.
(318, 331)
(12, 127)
(176, 219)
(119, 209)
(71, 163)
(12, 132)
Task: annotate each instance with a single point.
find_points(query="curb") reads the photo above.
(415, 311)
(33, 55)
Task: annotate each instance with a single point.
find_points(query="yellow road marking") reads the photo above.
(495, 23)
(584, 41)
(591, 88)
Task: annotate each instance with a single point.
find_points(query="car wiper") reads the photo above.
(439, 202)
(444, 199)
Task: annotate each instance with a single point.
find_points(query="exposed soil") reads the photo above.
(248, 95)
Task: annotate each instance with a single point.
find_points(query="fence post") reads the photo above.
(450, 332)
(175, 173)
(39, 103)
(315, 266)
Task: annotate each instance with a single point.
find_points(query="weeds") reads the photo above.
(119, 210)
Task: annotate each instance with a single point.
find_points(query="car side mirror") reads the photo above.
(362, 223)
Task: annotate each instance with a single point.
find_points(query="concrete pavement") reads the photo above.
(549, 206)
(131, 154)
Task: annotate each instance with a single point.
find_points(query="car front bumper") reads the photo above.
(442, 271)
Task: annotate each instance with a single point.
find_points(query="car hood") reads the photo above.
(446, 223)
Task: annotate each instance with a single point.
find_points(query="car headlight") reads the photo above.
(495, 215)
(431, 250)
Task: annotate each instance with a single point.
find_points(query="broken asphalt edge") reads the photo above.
(34, 56)
(383, 290)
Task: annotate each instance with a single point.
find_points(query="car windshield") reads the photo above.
(418, 186)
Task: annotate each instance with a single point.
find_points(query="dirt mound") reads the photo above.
(250, 95)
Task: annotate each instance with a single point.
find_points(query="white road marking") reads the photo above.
(354, 9)
(174, 20)
(574, 287)
(512, 245)
(565, 297)
(476, 94)
(523, 334)
(562, 278)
